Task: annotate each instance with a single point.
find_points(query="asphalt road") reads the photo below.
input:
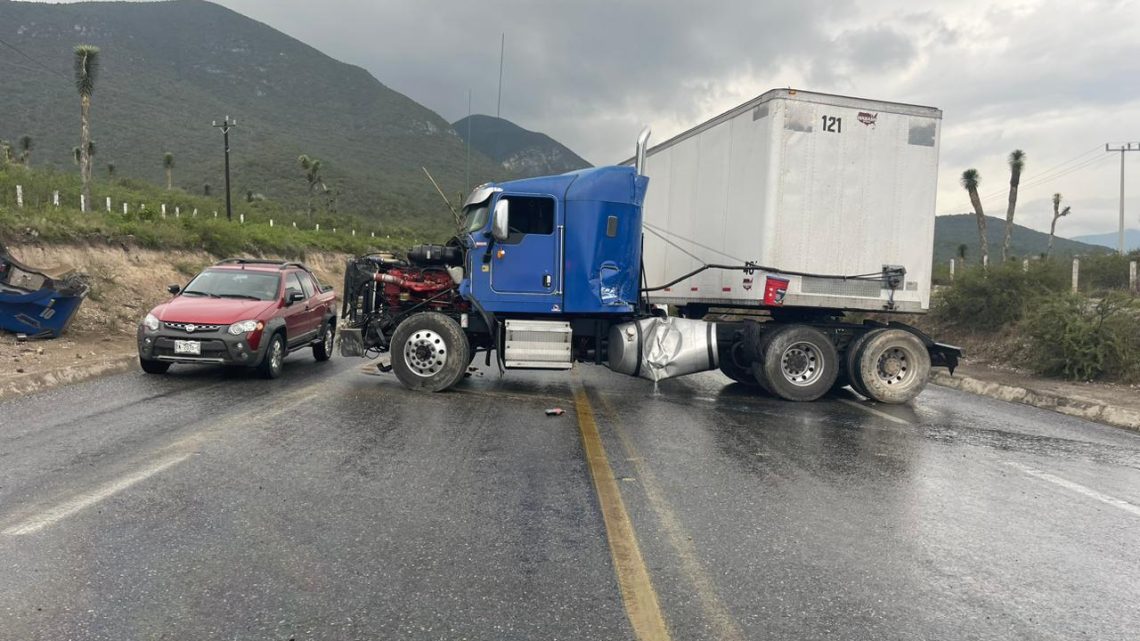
(332, 504)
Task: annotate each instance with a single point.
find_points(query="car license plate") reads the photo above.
(187, 347)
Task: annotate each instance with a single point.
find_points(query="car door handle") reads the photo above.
(546, 281)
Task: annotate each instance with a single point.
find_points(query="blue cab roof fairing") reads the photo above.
(607, 184)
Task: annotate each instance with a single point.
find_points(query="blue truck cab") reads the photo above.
(556, 245)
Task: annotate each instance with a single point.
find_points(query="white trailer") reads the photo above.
(803, 206)
(810, 186)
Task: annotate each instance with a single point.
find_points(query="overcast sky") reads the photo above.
(1057, 79)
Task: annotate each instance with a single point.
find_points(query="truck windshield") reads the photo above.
(234, 284)
(476, 216)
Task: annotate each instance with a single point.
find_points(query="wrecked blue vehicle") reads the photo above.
(38, 303)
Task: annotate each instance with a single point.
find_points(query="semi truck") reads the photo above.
(778, 242)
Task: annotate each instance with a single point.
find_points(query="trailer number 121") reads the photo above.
(833, 124)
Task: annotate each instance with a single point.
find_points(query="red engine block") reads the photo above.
(403, 286)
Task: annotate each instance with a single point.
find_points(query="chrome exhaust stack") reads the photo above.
(642, 145)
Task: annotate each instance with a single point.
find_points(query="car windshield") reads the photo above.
(476, 216)
(230, 283)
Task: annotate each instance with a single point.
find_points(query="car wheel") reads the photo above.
(153, 367)
(273, 361)
(430, 352)
(894, 366)
(800, 363)
(323, 349)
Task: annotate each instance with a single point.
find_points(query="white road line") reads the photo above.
(87, 499)
(874, 411)
(1079, 489)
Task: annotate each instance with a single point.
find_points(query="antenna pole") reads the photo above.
(502, 52)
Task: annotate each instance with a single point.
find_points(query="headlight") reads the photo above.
(245, 327)
(151, 322)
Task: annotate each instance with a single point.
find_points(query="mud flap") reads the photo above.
(350, 341)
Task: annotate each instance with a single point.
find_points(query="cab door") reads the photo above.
(528, 262)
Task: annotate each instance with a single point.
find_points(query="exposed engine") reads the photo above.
(381, 289)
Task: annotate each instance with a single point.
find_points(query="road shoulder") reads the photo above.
(1118, 406)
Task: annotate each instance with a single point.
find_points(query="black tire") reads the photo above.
(273, 361)
(800, 363)
(323, 348)
(894, 366)
(851, 362)
(430, 352)
(730, 365)
(153, 367)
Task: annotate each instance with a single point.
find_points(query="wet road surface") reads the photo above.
(332, 504)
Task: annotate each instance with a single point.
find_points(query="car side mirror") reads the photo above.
(500, 221)
(173, 289)
(293, 296)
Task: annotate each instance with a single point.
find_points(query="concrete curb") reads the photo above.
(39, 381)
(1072, 406)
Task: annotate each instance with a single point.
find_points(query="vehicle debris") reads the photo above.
(38, 303)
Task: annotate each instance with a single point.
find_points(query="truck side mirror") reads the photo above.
(500, 222)
(173, 289)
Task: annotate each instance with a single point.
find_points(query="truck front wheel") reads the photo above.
(730, 365)
(800, 363)
(430, 352)
(893, 366)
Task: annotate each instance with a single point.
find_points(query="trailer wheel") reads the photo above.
(800, 363)
(851, 362)
(730, 365)
(893, 366)
(430, 352)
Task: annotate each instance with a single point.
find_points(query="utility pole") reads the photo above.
(502, 51)
(1130, 146)
(226, 125)
(467, 162)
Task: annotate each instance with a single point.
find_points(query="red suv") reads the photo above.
(240, 312)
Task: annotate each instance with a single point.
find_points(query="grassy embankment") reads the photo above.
(144, 225)
(1031, 319)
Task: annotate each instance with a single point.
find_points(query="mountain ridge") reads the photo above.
(160, 88)
(518, 150)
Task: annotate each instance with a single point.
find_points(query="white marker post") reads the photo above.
(1076, 272)
(82, 202)
(177, 212)
(108, 204)
(318, 226)
(19, 195)
(952, 264)
(241, 219)
(55, 198)
(1132, 284)
(124, 209)
(164, 210)
(270, 222)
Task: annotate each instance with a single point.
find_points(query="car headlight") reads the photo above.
(151, 322)
(245, 327)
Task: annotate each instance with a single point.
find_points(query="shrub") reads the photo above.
(980, 300)
(1083, 339)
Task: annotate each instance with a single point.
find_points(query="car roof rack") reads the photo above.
(262, 261)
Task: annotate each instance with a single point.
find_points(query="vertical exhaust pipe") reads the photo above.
(642, 144)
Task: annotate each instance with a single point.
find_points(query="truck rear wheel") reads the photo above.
(851, 362)
(430, 352)
(799, 363)
(893, 366)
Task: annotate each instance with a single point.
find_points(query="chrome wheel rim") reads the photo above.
(328, 340)
(801, 364)
(425, 352)
(276, 355)
(894, 366)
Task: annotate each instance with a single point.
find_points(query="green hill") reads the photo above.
(170, 68)
(520, 151)
(962, 229)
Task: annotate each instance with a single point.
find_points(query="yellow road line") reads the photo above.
(637, 591)
(714, 609)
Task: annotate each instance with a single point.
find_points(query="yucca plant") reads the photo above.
(1016, 164)
(970, 180)
(1058, 213)
(168, 165)
(26, 145)
(86, 70)
(312, 168)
